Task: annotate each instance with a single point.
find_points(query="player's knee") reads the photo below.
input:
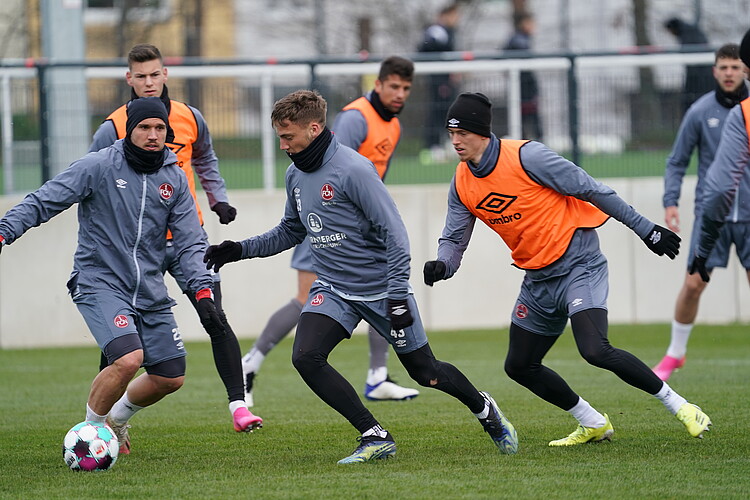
(168, 385)
(515, 370)
(308, 362)
(599, 356)
(128, 364)
(694, 288)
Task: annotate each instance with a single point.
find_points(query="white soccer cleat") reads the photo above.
(388, 391)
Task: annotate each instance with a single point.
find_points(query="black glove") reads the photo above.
(218, 255)
(434, 270)
(699, 264)
(661, 241)
(398, 311)
(207, 312)
(225, 211)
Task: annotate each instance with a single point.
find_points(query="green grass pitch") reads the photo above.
(185, 447)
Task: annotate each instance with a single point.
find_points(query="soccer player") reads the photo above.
(546, 209)
(147, 77)
(702, 128)
(727, 194)
(360, 253)
(128, 194)
(370, 126)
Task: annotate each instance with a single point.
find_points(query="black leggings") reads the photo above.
(316, 337)
(526, 351)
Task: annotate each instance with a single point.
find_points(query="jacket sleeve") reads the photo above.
(189, 239)
(105, 136)
(56, 195)
(286, 234)
(679, 159)
(206, 164)
(459, 226)
(723, 178)
(551, 170)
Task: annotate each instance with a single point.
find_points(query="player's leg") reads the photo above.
(224, 346)
(278, 326)
(317, 335)
(590, 332)
(416, 356)
(379, 386)
(686, 309)
(523, 364)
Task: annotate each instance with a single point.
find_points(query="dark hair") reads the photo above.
(301, 107)
(396, 65)
(143, 52)
(728, 51)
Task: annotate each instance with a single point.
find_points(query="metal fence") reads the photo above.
(594, 108)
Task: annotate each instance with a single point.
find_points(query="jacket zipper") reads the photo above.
(138, 240)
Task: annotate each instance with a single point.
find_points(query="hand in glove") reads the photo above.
(218, 255)
(398, 311)
(225, 211)
(699, 265)
(207, 312)
(661, 241)
(434, 270)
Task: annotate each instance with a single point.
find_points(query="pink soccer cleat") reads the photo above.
(667, 365)
(245, 421)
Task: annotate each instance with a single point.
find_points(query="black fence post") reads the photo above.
(573, 110)
(44, 122)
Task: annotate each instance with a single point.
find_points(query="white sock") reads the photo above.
(123, 410)
(483, 414)
(375, 430)
(252, 360)
(92, 416)
(680, 335)
(233, 405)
(586, 415)
(374, 377)
(670, 399)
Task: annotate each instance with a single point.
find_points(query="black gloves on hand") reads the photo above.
(661, 241)
(699, 264)
(208, 314)
(398, 311)
(225, 211)
(218, 255)
(434, 270)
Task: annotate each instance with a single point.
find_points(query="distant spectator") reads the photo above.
(439, 37)
(698, 79)
(525, 26)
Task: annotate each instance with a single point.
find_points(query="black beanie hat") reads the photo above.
(146, 107)
(472, 112)
(745, 49)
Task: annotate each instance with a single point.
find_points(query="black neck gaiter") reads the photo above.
(310, 159)
(142, 161)
(379, 108)
(731, 99)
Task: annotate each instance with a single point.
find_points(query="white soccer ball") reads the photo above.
(90, 446)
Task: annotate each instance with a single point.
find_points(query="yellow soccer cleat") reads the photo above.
(694, 419)
(587, 435)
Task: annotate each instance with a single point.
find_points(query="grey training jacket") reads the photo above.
(123, 219)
